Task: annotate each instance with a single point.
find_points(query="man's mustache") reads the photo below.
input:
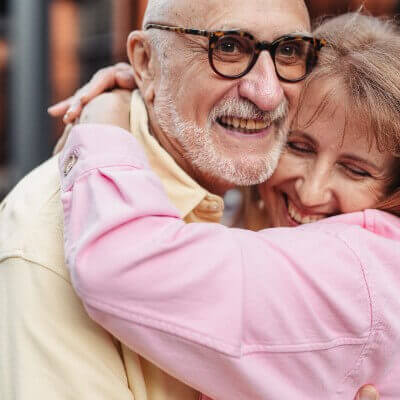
(245, 109)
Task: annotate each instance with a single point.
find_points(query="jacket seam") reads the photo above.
(374, 325)
(361, 340)
(18, 255)
(306, 347)
(80, 175)
(167, 327)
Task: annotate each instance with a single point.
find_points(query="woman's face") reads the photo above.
(324, 172)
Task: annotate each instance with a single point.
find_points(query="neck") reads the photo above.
(208, 182)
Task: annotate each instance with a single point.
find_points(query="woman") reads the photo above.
(307, 309)
(366, 88)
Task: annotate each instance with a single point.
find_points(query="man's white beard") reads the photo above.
(200, 150)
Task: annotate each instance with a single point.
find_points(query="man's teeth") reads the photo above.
(299, 218)
(249, 124)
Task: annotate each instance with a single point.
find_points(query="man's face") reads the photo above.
(229, 130)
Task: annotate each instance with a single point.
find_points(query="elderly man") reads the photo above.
(190, 97)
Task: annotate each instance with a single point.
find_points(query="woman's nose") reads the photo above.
(314, 189)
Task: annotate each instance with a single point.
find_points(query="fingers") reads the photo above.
(70, 108)
(125, 80)
(108, 78)
(119, 75)
(59, 109)
(73, 112)
(125, 77)
(367, 392)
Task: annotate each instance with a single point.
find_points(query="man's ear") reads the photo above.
(141, 58)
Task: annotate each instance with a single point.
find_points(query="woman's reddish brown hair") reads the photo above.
(362, 57)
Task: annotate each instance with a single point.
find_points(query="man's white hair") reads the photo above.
(184, 13)
(189, 12)
(197, 141)
(175, 11)
(156, 11)
(171, 12)
(199, 146)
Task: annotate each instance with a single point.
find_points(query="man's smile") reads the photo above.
(244, 126)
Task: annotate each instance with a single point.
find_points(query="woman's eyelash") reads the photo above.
(307, 149)
(299, 147)
(357, 172)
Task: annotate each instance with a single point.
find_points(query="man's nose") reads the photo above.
(261, 85)
(314, 189)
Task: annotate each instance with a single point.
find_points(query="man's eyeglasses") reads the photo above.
(232, 54)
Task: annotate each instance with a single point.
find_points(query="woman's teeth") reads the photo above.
(240, 123)
(296, 215)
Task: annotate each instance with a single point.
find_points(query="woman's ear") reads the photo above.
(141, 58)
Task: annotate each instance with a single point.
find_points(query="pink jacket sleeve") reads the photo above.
(279, 314)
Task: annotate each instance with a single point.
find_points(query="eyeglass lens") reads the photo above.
(232, 56)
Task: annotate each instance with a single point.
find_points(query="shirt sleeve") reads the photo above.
(236, 314)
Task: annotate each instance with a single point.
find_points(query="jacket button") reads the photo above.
(69, 164)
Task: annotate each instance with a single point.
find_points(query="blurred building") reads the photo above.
(48, 48)
(4, 55)
(334, 7)
(56, 46)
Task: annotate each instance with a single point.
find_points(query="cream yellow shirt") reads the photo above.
(49, 348)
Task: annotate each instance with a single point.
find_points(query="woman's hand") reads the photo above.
(108, 108)
(117, 76)
(367, 392)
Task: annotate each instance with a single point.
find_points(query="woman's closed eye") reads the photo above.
(300, 147)
(355, 171)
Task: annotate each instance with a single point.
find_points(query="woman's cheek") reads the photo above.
(357, 196)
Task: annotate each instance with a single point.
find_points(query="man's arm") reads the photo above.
(190, 299)
(49, 348)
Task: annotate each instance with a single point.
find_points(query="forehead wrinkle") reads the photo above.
(274, 32)
(196, 14)
(263, 29)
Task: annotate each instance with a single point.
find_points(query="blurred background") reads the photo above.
(49, 48)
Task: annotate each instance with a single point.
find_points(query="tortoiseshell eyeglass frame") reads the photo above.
(271, 47)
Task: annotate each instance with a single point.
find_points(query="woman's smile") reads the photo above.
(300, 216)
(327, 168)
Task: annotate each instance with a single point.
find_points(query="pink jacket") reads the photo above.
(290, 313)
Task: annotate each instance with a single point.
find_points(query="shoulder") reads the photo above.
(31, 218)
(111, 108)
(115, 98)
(32, 193)
(371, 231)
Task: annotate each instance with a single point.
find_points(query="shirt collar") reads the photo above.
(184, 192)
